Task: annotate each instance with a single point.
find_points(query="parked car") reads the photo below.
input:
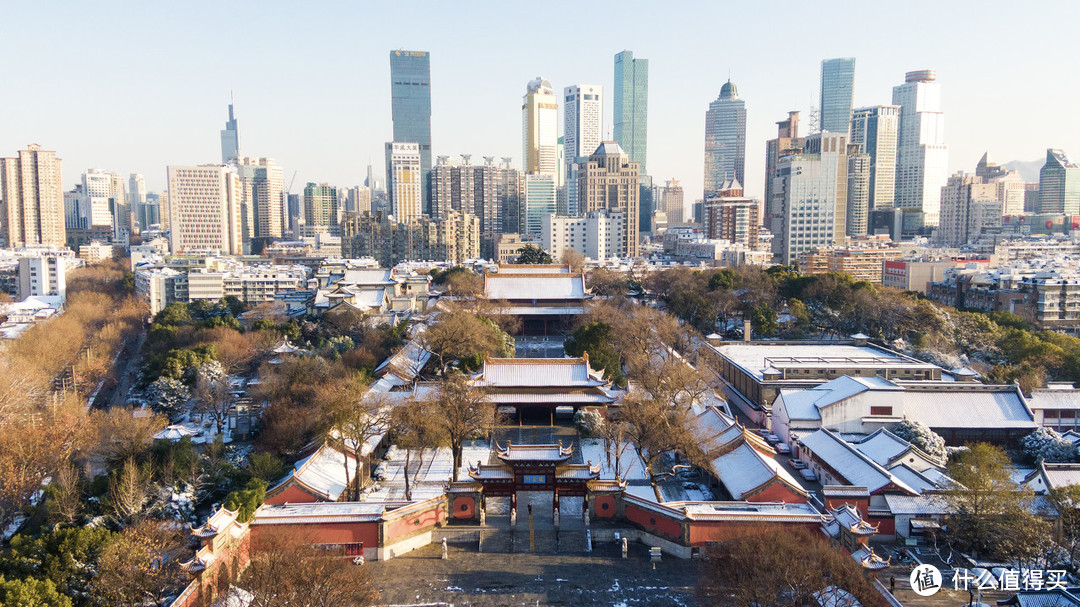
(783, 449)
(772, 438)
(808, 474)
(797, 464)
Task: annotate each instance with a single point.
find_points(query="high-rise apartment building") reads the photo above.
(630, 107)
(510, 185)
(410, 90)
(858, 192)
(875, 129)
(921, 154)
(596, 235)
(725, 139)
(730, 216)
(477, 190)
(204, 210)
(808, 207)
(320, 206)
(32, 199)
(99, 197)
(609, 180)
(671, 201)
(787, 142)
(453, 238)
(583, 119)
(230, 139)
(540, 128)
(837, 91)
(404, 180)
(358, 199)
(1059, 184)
(262, 197)
(973, 203)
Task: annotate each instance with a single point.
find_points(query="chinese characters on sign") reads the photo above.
(1009, 580)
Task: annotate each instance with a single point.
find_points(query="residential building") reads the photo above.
(43, 276)
(32, 199)
(787, 142)
(858, 192)
(972, 204)
(732, 217)
(671, 202)
(598, 235)
(204, 210)
(404, 180)
(540, 128)
(358, 199)
(230, 139)
(540, 200)
(410, 90)
(837, 90)
(922, 156)
(320, 207)
(914, 275)
(609, 180)
(1059, 184)
(875, 130)
(862, 263)
(583, 119)
(508, 246)
(725, 139)
(454, 238)
(808, 207)
(630, 107)
(96, 251)
(104, 201)
(262, 192)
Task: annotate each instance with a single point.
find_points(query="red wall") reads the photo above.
(410, 524)
(702, 532)
(777, 492)
(464, 507)
(325, 533)
(293, 495)
(653, 521)
(599, 503)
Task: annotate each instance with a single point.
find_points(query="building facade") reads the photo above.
(837, 90)
(204, 209)
(540, 128)
(262, 191)
(630, 107)
(610, 180)
(320, 206)
(230, 139)
(540, 199)
(410, 106)
(598, 235)
(725, 139)
(922, 156)
(875, 130)
(32, 199)
(583, 118)
(808, 207)
(858, 192)
(404, 180)
(1059, 184)
(732, 217)
(454, 238)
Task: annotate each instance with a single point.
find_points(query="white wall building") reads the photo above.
(403, 181)
(583, 119)
(808, 209)
(41, 276)
(598, 235)
(540, 128)
(204, 210)
(922, 156)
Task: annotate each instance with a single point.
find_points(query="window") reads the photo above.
(881, 411)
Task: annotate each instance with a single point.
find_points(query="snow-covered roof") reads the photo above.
(323, 512)
(537, 372)
(754, 356)
(744, 470)
(806, 404)
(883, 446)
(960, 405)
(326, 472)
(175, 432)
(529, 453)
(367, 276)
(539, 286)
(530, 268)
(853, 467)
(1060, 475)
(1054, 398)
(925, 504)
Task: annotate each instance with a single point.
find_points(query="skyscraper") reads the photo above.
(631, 107)
(204, 210)
(32, 199)
(921, 154)
(136, 194)
(583, 113)
(787, 142)
(230, 139)
(837, 89)
(540, 128)
(858, 191)
(540, 194)
(875, 130)
(320, 207)
(808, 207)
(725, 139)
(609, 180)
(671, 201)
(1059, 184)
(404, 168)
(262, 192)
(410, 90)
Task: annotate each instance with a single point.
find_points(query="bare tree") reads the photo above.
(129, 489)
(463, 412)
(212, 396)
(572, 258)
(416, 427)
(357, 418)
(64, 504)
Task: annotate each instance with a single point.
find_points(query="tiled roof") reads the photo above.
(953, 406)
(854, 467)
(536, 373)
(519, 287)
(1054, 399)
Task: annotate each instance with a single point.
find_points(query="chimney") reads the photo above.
(747, 329)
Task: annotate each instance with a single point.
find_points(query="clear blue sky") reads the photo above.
(135, 86)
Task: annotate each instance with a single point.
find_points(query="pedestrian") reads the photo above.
(892, 584)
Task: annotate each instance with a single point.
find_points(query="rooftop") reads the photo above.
(755, 356)
(539, 286)
(537, 373)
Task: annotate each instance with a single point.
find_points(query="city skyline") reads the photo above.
(141, 125)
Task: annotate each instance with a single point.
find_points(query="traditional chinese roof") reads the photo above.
(491, 472)
(533, 453)
(540, 286)
(849, 464)
(500, 373)
(324, 474)
(847, 517)
(284, 347)
(886, 448)
(218, 521)
(869, 560)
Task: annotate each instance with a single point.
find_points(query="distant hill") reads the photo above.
(1028, 169)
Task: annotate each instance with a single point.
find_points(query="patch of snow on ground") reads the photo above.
(631, 466)
(642, 491)
(433, 472)
(471, 452)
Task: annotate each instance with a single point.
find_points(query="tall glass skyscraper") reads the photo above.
(410, 90)
(921, 154)
(631, 106)
(230, 139)
(725, 139)
(1059, 184)
(874, 129)
(837, 88)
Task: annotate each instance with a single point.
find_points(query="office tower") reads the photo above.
(230, 139)
(671, 201)
(540, 200)
(136, 198)
(583, 113)
(858, 191)
(630, 107)
(1059, 184)
(404, 186)
(73, 218)
(698, 211)
(510, 193)
(204, 210)
(149, 212)
(610, 181)
(320, 207)
(373, 183)
(123, 218)
(540, 128)
(837, 89)
(262, 196)
(725, 138)
(31, 199)
(921, 154)
(808, 207)
(787, 142)
(410, 90)
(730, 216)
(98, 194)
(295, 211)
(358, 199)
(875, 130)
(164, 211)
